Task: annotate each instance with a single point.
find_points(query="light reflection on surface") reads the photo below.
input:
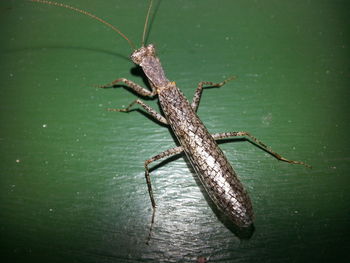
(184, 221)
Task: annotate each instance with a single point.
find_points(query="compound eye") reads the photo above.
(135, 57)
(151, 49)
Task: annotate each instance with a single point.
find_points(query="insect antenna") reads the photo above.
(146, 23)
(87, 14)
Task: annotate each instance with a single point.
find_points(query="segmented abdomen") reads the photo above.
(210, 163)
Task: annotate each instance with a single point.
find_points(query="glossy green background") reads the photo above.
(72, 179)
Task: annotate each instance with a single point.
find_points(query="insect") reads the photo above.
(212, 167)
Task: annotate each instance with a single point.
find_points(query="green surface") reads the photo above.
(71, 177)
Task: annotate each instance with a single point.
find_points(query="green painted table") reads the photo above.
(71, 176)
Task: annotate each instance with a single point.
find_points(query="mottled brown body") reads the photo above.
(209, 162)
(214, 171)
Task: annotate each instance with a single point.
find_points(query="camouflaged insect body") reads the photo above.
(209, 162)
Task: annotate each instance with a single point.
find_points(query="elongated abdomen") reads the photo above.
(220, 180)
(210, 163)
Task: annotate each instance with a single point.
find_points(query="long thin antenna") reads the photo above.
(146, 23)
(87, 14)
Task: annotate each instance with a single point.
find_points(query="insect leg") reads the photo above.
(257, 142)
(151, 111)
(132, 85)
(198, 94)
(167, 153)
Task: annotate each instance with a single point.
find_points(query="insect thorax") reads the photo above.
(147, 59)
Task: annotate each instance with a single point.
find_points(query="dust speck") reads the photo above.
(267, 119)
